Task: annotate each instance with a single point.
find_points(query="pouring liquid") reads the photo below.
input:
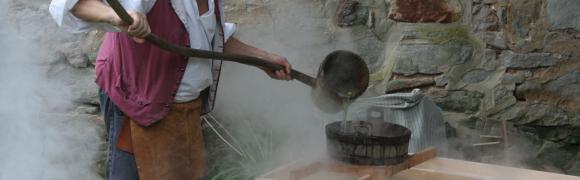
(345, 104)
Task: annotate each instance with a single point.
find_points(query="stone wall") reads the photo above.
(485, 62)
(493, 61)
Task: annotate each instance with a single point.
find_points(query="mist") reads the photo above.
(252, 104)
(39, 139)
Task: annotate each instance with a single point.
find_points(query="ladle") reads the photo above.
(342, 76)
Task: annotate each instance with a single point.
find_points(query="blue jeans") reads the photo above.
(120, 164)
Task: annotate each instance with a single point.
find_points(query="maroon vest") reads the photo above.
(142, 79)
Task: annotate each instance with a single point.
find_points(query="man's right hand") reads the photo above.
(98, 11)
(138, 30)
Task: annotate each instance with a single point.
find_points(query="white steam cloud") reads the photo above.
(37, 141)
(249, 100)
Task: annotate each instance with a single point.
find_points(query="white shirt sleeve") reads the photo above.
(60, 11)
(229, 30)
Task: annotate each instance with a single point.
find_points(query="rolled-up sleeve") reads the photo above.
(229, 30)
(61, 13)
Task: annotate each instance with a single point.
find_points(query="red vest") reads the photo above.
(142, 79)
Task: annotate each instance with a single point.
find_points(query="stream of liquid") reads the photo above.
(345, 104)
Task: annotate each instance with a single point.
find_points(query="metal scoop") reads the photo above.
(343, 75)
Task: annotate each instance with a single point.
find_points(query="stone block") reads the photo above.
(351, 13)
(514, 60)
(556, 154)
(495, 40)
(574, 137)
(425, 58)
(485, 18)
(418, 11)
(404, 84)
(527, 87)
(563, 14)
(84, 109)
(475, 76)
(524, 13)
(557, 134)
(515, 78)
(567, 85)
(459, 101)
(78, 59)
(545, 115)
(489, 1)
(511, 113)
(502, 93)
(489, 60)
(575, 168)
(441, 80)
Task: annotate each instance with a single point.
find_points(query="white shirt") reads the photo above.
(201, 30)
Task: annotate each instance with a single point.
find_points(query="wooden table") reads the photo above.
(424, 165)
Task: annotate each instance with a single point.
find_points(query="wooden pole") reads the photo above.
(189, 52)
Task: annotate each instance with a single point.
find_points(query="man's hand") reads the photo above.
(138, 30)
(98, 11)
(236, 46)
(282, 74)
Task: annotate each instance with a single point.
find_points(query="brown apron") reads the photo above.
(172, 148)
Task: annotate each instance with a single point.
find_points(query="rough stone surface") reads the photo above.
(574, 169)
(567, 85)
(574, 136)
(515, 78)
(423, 11)
(430, 58)
(526, 87)
(459, 101)
(511, 113)
(545, 115)
(524, 13)
(489, 61)
(351, 13)
(557, 154)
(503, 94)
(496, 40)
(475, 76)
(441, 80)
(527, 61)
(553, 134)
(484, 18)
(78, 60)
(87, 110)
(407, 84)
(563, 14)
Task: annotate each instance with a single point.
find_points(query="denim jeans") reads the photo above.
(120, 164)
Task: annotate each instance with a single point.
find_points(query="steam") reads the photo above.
(250, 101)
(36, 141)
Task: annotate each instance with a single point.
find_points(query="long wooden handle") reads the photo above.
(189, 52)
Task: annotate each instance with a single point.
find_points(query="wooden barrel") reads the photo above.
(365, 144)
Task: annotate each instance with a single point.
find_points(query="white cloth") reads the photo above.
(413, 110)
(201, 30)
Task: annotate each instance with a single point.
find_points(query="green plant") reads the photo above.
(244, 153)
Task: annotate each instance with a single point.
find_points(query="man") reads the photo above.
(151, 99)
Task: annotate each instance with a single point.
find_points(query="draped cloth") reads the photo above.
(412, 110)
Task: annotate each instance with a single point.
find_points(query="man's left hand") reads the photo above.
(282, 74)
